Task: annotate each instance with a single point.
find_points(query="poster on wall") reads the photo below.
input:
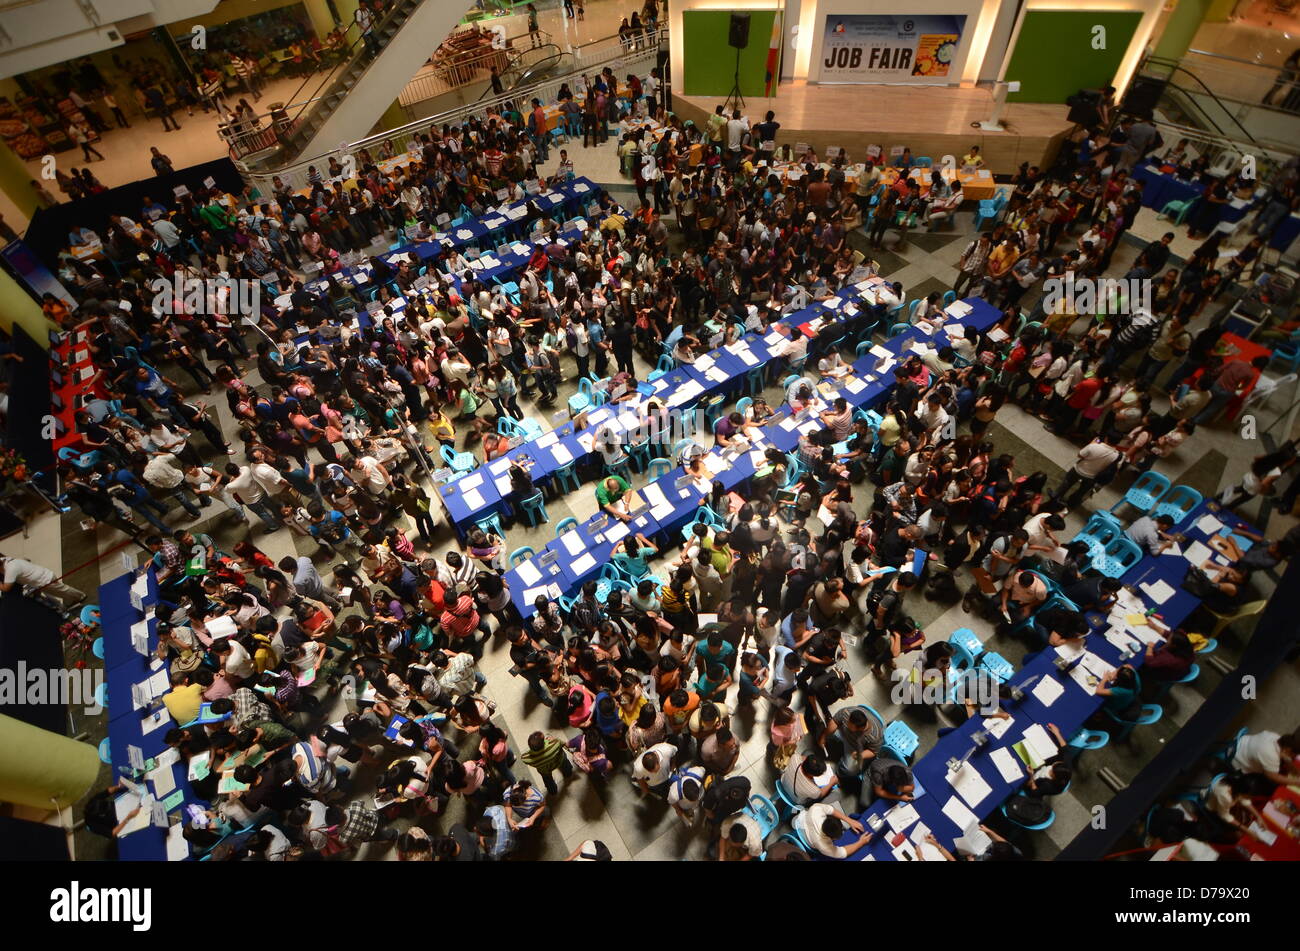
(890, 48)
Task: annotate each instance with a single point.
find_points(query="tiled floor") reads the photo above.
(610, 809)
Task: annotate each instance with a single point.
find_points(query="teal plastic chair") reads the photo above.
(622, 467)
(565, 525)
(1177, 211)
(902, 739)
(965, 638)
(1192, 673)
(743, 404)
(1143, 494)
(658, 468)
(1089, 740)
(712, 407)
(533, 507)
(520, 555)
(785, 802)
(861, 349)
(105, 752)
(584, 399)
(639, 452)
(755, 380)
(997, 665)
(1038, 827)
(97, 648)
(764, 813)
(1102, 529)
(949, 297)
(566, 478)
(1151, 713)
(491, 524)
(1120, 555)
(458, 461)
(897, 329)
(1177, 503)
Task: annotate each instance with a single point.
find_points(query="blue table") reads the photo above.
(126, 726)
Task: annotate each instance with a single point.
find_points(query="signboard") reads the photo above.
(890, 48)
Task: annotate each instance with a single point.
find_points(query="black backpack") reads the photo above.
(1028, 810)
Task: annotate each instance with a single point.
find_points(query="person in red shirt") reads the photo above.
(1080, 398)
(460, 620)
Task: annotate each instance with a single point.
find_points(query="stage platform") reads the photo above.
(930, 120)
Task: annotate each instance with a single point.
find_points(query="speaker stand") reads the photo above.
(734, 99)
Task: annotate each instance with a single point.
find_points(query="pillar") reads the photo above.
(321, 20)
(1181, 27)
(42, 770)
(15, 182)
(17, 307)
(393, 117)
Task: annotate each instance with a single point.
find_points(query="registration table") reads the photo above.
(132, 676)
(950, 803)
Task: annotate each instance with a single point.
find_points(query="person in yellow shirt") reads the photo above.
(972, 159)
(184, 699)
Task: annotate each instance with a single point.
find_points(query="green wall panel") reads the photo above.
(710, 64)
(1054, 56)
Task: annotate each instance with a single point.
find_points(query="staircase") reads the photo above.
(344, 104)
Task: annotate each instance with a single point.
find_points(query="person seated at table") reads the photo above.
(1152, 535)
(833, 367)
(80, 237)
(609, 496)
(1259, 557)
(684, 350)
(972, 159)
(731, 426)
(1097, 593)
(890, 779)
(945, 204)
(634, 556)
(1172, 660)
(1022, 593)
(821, 825)
(758, 411)
(905, 161)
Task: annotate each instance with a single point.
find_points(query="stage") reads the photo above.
(930, 120)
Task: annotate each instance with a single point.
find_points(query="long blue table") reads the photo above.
(1068, 711)
(128, 727)
(671, 508)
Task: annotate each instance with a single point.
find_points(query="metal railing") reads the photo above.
(400, 139)
(275, 127)
(439, 78)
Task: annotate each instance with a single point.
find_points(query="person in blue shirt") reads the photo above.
(136, 495)
(1120, 689)
(635, 557)
(599, 346)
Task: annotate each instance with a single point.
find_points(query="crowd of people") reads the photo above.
(331, 425)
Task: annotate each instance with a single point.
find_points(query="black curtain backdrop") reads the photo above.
(48, 232)
(29, 632)
(1276, 635)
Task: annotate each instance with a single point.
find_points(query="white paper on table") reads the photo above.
(471, 481)
(158, 683)
(1196, 554)
(973, 841)
(970, 785)
(1173, 549)
(919, 834)
(164, 781)
(1158, 591)
(499, 466)
(748, 357)
(1209, 524)
(581, 566)
(561, 454)
(901, 816)
(1070, 651)
(998, 726)
(159, 718)
(960, 815)
(473, 498)
(704, 362)
(141, 585)
(1047, 690)
(532, 594)
(1039, 742)
(856, 385)
(1120, 639)
(178, 847)
(528, 573)
(573, 543)
(662, 511)
(1008, 764)
(1084, 678)
(653, 494)
(774, 337)
(123, 805)
(617, 532)
(929, 852)
(879, 351)
(586, 441)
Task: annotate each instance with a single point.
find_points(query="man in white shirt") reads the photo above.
(368, 473)
(654, 769)
(39, 580)
(1267, 754)
(821, 824)
(161, 472)
(736, 129)
(1093, 460)
(247, 489)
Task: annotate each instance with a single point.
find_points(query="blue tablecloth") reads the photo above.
(1068, 711)
(1158, 189)
(126, 726)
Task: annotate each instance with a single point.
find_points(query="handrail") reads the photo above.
(1175, 66)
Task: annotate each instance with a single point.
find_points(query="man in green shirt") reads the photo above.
(716, 123)
(609, 497)
(546, 754)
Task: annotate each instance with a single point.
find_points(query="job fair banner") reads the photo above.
(874, 48)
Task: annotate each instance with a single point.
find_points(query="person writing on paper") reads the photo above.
(1267, 758)
(727, 429)
(609, 496)
(1152, 534)
(890, 779)
(1171, 661)
(1022, 593)
(821, 825)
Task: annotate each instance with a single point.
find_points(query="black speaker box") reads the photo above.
(738, 35)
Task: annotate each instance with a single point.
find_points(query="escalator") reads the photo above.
(343, 104)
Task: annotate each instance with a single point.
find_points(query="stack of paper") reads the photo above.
(1158, 591)
(969, 784)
